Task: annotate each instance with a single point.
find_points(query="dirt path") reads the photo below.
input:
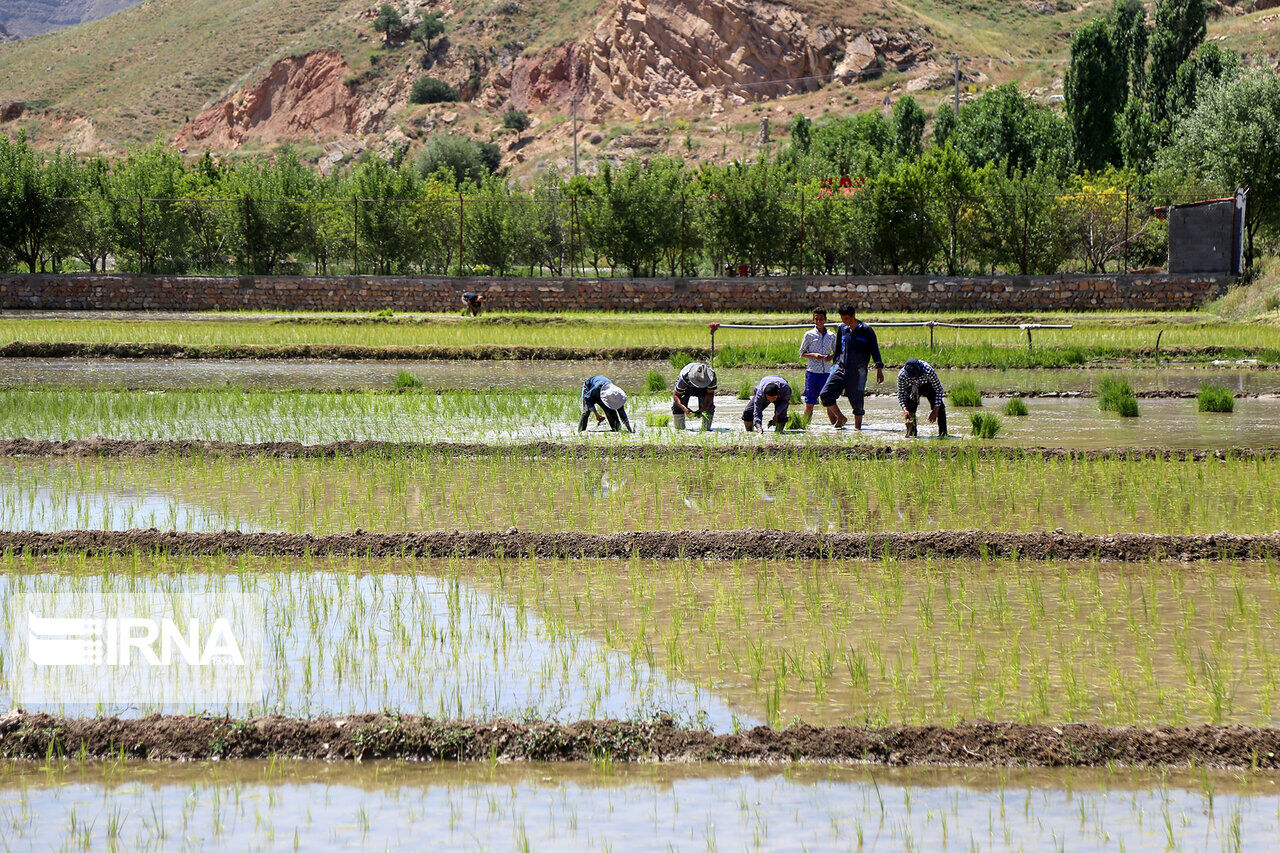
(663, 544)
(38, 736)
(127, 448)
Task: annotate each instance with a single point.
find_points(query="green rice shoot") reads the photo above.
(984, 424)
(1016, 407)
(1215, 398)
(965, 394)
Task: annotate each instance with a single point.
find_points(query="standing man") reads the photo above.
(816, 347)
(771, 389)
(696, 381)
(600, 391)
(856, 346)
(918, 379)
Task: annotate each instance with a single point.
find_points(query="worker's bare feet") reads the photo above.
(840, 423)
(857, 422)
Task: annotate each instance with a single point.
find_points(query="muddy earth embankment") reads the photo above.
(553, 450)
(662, 545)
(368, 736)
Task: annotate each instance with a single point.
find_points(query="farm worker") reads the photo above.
(771, 389)
(600, 391)
(816, 348)
(696, 381)
(856, 346)
(474, 302)
(918, 379)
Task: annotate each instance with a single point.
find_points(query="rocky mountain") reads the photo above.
(24, 18)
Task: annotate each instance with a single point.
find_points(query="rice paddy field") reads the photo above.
(693, 701)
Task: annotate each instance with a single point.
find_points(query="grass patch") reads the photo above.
(984, 424)
(1016, 407)
(405, 380)
(745, 389)
(1215, 398)
(1115, 395)
(654, 382)
(657, 419)
(679, 360)
(965, 394)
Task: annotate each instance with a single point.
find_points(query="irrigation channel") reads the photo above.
(505, 633)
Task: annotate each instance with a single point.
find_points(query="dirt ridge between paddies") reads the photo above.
(369, 736)
(554, 450)
(496, 352)
(750, 543)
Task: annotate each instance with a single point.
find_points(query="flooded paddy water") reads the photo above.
(387, 804)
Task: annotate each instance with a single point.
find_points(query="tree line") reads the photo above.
(1006, 184)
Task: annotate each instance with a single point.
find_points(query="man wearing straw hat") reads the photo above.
(599, 391)
(696, 381)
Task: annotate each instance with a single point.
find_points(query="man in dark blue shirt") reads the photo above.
(600, 392)
(856, 347)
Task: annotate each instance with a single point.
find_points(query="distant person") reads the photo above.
(474, 303)
(600, 392)
(856, 347)
(816, 348)
(770, 390)
(918, 379)
(697, 381)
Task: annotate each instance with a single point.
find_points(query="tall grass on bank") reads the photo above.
(1115, 395)
(1215, 398)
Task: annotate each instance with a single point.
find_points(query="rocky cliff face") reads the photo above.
(300, 97)
(23, 18)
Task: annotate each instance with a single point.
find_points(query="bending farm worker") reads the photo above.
(855, 348)
(696, 382)
(474, 303)
(816, 347)
(771, 389)
(599, 391)
(918, 379)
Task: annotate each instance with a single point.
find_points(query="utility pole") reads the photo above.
(955, 73)
(575, 134)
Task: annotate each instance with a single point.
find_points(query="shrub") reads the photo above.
(1115, 395)
(657, 419)
(404, 379)
(517, 120)
(464, 158)
(965, 394)
(654, 382)
(1015, 408)
(1215, 398)
(432, 90)
(984, 425)
(679, 360)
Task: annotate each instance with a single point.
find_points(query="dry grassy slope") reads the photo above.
(32, 17)
(140, 74)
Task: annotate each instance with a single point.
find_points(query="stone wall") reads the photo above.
(798, 293)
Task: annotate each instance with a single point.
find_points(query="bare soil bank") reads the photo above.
(38, 736)
(492, 352)
(127, 448)
(663, 544)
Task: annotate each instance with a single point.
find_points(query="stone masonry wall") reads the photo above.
(103, 292)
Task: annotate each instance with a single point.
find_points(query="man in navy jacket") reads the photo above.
(856, 347)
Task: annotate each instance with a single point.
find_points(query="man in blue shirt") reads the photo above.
(771, 389)
(856, 347)
(600, 391)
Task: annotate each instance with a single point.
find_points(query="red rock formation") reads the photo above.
(300, 96)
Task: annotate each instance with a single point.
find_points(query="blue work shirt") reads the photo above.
(591, 390)
(855, 347)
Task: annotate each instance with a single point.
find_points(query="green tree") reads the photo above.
(953, 187)
(1179, 29)
(148, 221)
(432, 90)
(35, 212)
(904, 238)
(1092, 97)
(388, 23)
(385, 197)
(908, 127)
(89, 234)
(1198, 74)
(1230, 140)
(463, 159)
(272, 222)
(491, 227)
(842, 147)
(430, 27)
(1128, 24)
(801, 133)
(1005, 126)
(1017, 224)
(517, 120)
(944, 124)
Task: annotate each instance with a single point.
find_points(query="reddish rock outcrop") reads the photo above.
(299, 96)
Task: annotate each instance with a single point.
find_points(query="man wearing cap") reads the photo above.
(771, 389)
(696, 381)
(600, 391)
(918, 379)
(856, 346)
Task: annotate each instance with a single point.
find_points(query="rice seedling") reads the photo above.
(1115, 395)
(405, 380)
(984, 424)
(657, 419)
(746, 389)
(679, 360)
(654, 382)
(965, 394)
(797, 420)
(1215, 398)
(1016, 407)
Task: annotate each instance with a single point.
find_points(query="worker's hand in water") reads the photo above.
(933, 415)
